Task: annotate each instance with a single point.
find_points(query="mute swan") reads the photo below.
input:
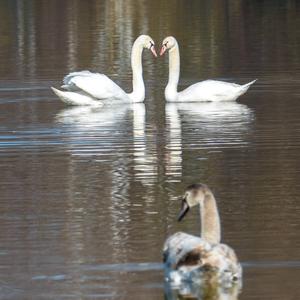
(86, 88)
(208, 90)
(189, 258)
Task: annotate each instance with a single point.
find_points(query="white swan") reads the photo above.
(190, 258)
(86, 88)
(208, 90)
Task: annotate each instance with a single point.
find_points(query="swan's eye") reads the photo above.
(165, 44)
(151, 44)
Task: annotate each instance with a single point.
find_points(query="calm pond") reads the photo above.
(88, 196)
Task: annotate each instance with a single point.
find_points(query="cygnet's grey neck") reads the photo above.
(210, 220)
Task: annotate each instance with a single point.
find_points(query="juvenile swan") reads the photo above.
(191, 258)
(86, 88)
(208, 90)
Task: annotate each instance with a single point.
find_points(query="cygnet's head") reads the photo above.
(194, 195)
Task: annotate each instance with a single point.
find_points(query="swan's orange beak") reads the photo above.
(153, 51)
(162, 50)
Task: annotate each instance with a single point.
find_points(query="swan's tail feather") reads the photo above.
(244, 88)
(247, 85)
(75, 98)
(61, 95)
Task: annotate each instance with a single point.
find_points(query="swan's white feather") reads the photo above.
(76, 98)
(97, 85)
(69, 85)
(213, 90)
(68, 78)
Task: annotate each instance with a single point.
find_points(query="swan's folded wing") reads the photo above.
(98, 86)
(210, 90)
(223, 258)
(68, 80)
(182, 248)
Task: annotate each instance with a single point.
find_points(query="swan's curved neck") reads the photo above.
(138, 87)
(174, 72)
(210, 220)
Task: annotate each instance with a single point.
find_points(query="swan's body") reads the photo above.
(208, 90)
(190, 258)
(86, 88)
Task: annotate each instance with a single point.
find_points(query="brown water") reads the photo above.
(89, 196)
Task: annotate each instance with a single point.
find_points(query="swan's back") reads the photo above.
(191, 258)
(97, 85)
(213, 90)
(181, 248)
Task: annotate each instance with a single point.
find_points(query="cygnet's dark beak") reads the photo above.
(184, 209)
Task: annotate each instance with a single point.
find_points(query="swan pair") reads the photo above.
(86, 88)
(189, 258)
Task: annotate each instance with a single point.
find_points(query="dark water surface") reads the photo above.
(89, 196)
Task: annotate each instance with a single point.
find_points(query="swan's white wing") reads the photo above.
(76, 98)
(179, 246)
(69, 85)
(67, 79)
(97, 85)
(210, 90)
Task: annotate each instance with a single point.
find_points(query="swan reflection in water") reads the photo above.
(211, 117)
(207, 290)
(111, 130)
(204, 126)
(93, 116)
